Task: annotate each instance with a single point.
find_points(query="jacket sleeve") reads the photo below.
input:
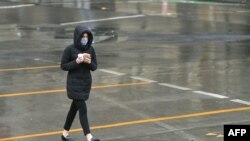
(93, 64)
(66, 63)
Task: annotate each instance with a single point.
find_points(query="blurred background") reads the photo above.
(167, 69)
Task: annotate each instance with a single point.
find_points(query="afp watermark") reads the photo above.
(236, 132)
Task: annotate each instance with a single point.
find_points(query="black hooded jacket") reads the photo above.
(79, 78)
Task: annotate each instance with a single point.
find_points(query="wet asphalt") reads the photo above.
(166, 70)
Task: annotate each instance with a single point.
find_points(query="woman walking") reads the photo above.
(79, 59)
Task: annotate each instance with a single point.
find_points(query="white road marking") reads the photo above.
(104, 19)
(15, 6)
(164, 14)
(142, 79)
(112, 72)
(174, 86)
(240, 101)
(210, 94)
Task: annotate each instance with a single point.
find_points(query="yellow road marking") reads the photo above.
(29, 68)
(63, 90)
(220, 136)
(211, 134)
(134, 122)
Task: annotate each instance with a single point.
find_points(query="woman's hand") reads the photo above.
(83, 58)
(87, 60)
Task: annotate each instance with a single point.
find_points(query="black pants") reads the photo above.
(82, 107)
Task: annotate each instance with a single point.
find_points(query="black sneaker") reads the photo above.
(68, 138)
(95, 139)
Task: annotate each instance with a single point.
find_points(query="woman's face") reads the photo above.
(85, 36)
(84, 40)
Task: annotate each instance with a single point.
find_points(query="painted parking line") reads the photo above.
(210, 94)
(63, 90)
(174, 86)
(29, 68)
(240, 101)
(111, 72)
(142, 79)
(143, 121)
(16, 6)
(104, 19)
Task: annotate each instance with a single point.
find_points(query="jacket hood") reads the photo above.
(79, 30)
